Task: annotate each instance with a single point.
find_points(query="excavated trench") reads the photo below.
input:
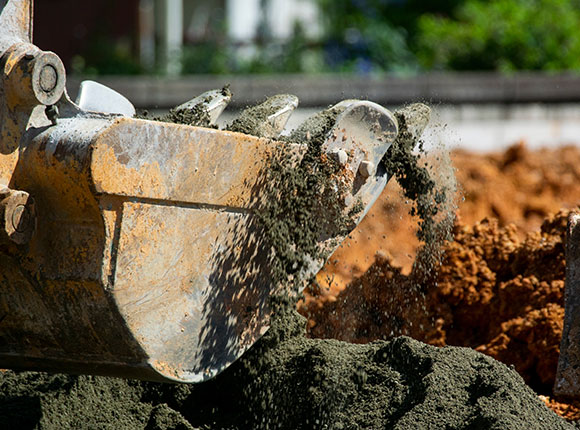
(379, 377)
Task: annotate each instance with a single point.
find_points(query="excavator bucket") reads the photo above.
(133, 247)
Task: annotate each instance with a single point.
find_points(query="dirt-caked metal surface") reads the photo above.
(146, 252)
(132, 247)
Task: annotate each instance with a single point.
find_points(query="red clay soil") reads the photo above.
(516, 186)
(500, 286)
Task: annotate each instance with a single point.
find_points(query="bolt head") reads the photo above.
(21, 219)
(366, 169)
(48, 78)
(18, 217)
(340, 156)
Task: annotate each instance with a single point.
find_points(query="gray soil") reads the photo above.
(287, 381)
(196, 115)
(432, 196)
(255, 120)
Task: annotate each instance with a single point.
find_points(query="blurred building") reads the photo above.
(247, 18)
(151, 33)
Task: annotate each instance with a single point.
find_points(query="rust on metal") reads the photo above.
(17, 216)
(15, 22)
(216, 168)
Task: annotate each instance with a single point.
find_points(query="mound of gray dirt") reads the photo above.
(287, 381)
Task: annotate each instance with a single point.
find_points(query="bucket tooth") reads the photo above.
(364, 131)
(343, 104)
(356, 135)
(415, 117)
(317, 126)
(364, 122)
(211, 102)
(95, 97)
(267, 119)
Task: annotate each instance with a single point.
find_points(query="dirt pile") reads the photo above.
(505, 297)
(500, 286)
(518, 186)
(295, 382)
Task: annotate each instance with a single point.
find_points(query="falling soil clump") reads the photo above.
(433, 201)
(287, 380)
(416, 181)
(292, 211)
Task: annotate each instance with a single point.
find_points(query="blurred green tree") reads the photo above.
(369, 36)
(502, 35)
(375, 35)
(211, 56)
(106, 56)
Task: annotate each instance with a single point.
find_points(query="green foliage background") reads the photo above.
(500, 35)
(394, 36)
